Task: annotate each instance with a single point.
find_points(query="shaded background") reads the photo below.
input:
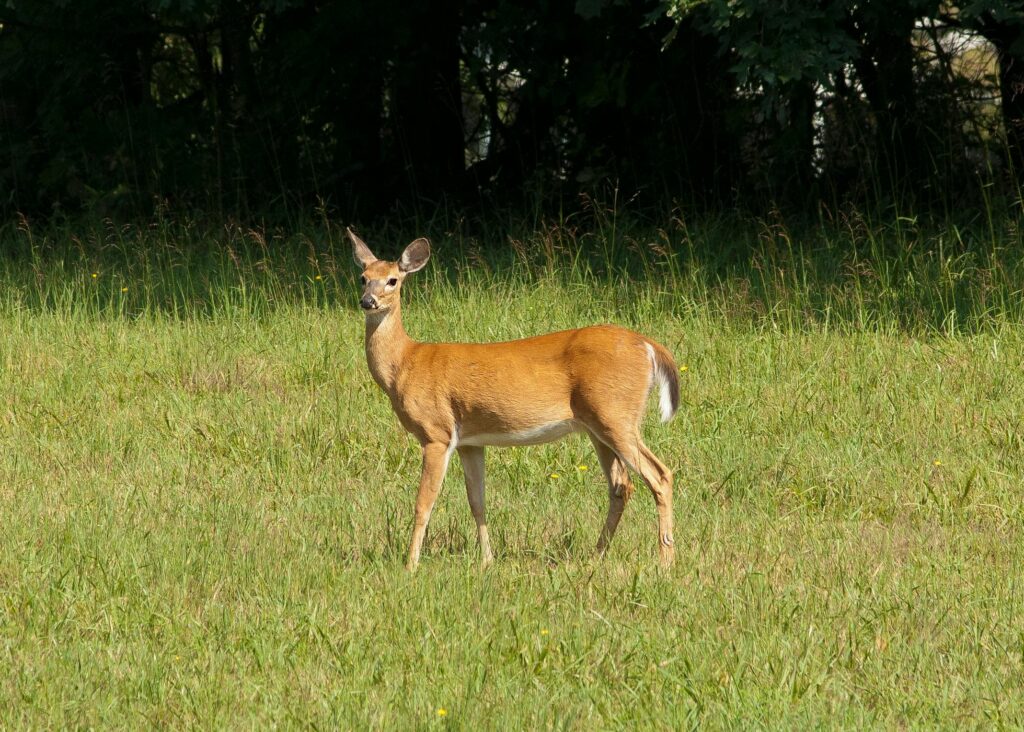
(122, 107)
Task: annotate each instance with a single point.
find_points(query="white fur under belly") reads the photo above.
(533, 436)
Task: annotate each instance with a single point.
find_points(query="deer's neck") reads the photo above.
(386, 345)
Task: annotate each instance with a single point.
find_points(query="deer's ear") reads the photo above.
(363, 256)
(415, 256)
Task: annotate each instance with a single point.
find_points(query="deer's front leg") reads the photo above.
(473, 466)
(435, 464)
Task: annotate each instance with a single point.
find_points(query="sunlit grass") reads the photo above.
(206, 499)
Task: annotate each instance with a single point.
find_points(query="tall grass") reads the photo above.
(206, 499)
(847, 272)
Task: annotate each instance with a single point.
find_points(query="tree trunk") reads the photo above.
(801, 101)
(427, 102)
(886, 70)
(1011, 92)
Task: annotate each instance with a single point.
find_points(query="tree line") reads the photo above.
(238, 106)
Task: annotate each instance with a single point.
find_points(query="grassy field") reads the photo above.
(206, 500)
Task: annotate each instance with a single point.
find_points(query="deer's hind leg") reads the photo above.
(631, 450)
(620, 489)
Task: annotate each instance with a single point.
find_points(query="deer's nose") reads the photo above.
(369, 302)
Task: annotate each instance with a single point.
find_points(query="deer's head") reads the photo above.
(382, 280)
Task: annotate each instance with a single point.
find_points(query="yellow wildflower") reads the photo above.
(318, 277)
(584, 468)
(543, 631)
(124, 289)
(556, 476)
(95, 275)
(442, 712)
(684, 368)
(936, 463)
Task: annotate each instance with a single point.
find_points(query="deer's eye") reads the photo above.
(392, 282)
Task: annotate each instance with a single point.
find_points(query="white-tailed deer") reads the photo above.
(465, 396)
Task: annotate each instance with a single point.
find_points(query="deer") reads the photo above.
(464, 397)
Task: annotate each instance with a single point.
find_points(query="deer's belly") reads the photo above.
(533, 436)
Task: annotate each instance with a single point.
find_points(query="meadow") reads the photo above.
(206, 500)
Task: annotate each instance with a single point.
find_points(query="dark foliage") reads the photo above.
(280, 106)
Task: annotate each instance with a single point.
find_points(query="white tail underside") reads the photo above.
(664, 394)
